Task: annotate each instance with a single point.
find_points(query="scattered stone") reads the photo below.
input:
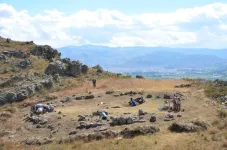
(179, 115)
(109, 92)
(116, 95)
(167, 96)
(140, 100)
(25, 63)
(72, 132)
(67, 100)
(96, 113)
(116, 107)
(79, 97)
(153, 118)
(89, 97)
(169, 117)
(149, 96)
(81, 118)
(51, 127)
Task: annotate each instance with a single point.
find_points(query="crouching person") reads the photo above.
(39, 108)
(132, 102)
(103, 115)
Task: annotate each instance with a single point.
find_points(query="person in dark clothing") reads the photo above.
(132, 102)
(94, 82)
(178, 105)
(174, 101)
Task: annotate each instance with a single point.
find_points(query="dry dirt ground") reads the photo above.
(15, 130)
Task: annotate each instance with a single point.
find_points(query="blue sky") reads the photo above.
(172, 23)
(126, 6)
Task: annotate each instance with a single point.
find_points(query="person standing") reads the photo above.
(174, 101)
(94, 82)
(178, 104)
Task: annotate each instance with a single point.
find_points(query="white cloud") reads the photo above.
(204, 26)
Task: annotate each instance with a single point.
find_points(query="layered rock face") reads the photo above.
(20, 87)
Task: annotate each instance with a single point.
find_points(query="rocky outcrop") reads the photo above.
(45, 52)
(20, 87)
(66, 67)
(188, 127)
(14, 53)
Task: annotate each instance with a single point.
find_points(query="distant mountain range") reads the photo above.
(125, 59)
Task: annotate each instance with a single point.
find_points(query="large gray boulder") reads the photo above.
(65, 67)
(45, 52)
(74, 68)
(84, 69)
(56, 67)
